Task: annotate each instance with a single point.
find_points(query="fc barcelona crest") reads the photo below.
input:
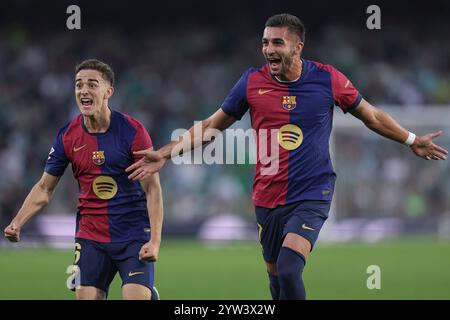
(289, 103)
(98, 157)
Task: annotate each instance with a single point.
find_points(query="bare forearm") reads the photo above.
(155, 212)
(195, 137)
(36, 200)
(383, 124)
(201, 133)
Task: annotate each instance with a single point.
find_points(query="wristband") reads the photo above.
(410, 140)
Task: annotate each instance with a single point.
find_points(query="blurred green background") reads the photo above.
(190, 270)
(171, 74)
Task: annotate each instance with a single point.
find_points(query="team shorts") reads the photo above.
(304, 218)
(98, 263)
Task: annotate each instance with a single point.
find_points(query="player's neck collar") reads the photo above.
(98, 133)
(286, 81)
(293, 81)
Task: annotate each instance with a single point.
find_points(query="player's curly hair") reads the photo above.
(294, 24)
(94, 64)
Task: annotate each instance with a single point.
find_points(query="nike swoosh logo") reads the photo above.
(304, 226)
(347, 83)
(130, 274)
(76, 149)
(260, 91)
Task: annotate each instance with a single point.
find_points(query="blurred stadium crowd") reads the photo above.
(168, 79)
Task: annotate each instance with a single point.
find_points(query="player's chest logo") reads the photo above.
(290, 137)
(104, 187)
(98, 157)
(289, 103)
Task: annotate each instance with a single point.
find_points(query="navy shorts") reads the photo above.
(99, 262)
(304, 218)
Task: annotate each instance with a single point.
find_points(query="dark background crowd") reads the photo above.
(175, 63)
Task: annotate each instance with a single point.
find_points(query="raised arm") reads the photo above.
(382, 123)
(217, 121)
(153, 161)
(152, 188)
(39, 197)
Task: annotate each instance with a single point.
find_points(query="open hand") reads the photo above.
(425, 148)
(152, 162)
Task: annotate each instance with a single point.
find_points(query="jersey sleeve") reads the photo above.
(345, 94)
(57, 160)
(235, 104)
(141, 140)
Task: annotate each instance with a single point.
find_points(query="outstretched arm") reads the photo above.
(382, 123)
(152, 188)
(36, 200)
(153, 161)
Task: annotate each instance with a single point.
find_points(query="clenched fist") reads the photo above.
(149, 252)
(12, 232)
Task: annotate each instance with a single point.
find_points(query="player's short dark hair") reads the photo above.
(94, 64)
(294, 24)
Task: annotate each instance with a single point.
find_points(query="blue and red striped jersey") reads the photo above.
(111, 208)
(301, 114)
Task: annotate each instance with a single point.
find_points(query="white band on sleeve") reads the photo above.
(410, 140)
